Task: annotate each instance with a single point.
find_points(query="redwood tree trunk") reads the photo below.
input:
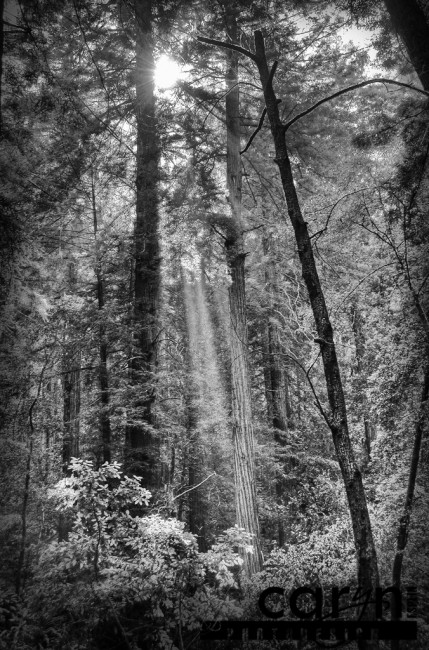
(276, 382)
(364, 543)
(142, 443)
(243, 434)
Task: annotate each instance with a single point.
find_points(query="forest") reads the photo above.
(214, 324)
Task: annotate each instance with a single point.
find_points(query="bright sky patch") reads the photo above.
(167, 72)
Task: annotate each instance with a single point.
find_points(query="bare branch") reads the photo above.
(194, 487)
(262, 225)
(349, 89)
(361, 282)
(260, 123)
(228, 46)
(255, 132)
(218, 232)
(423, 283)
(325, 227)
(313, 390)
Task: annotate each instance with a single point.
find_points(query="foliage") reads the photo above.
(132, 577)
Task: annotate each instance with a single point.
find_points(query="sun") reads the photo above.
(167, 72)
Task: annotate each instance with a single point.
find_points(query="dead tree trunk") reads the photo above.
(142, 442)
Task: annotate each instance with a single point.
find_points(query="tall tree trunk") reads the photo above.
(337, 419)
(404, 522)
(243, 434)
(267, 376)
(405, 519)
(71, 378)
(361, 381)
(26, 496)
(71, 366)
(410, 22)
(142, 443)
(103, 375)
(277, 380)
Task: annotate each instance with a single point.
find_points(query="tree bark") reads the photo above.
(278, 378)
(409, 20)
(142, 443)
(26, 496)
(243, 434)
(364, 543)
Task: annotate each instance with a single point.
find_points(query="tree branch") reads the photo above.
(255, 132)
(228, 46)
(194, 487)
(217, 232)
(349, 89)
(264, 112)
(313, 390)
